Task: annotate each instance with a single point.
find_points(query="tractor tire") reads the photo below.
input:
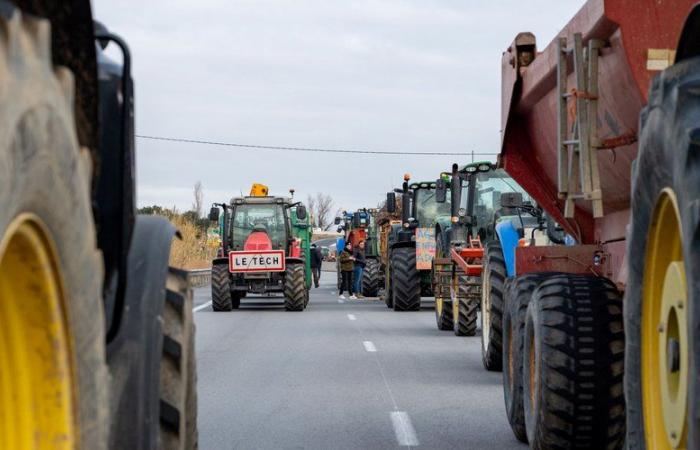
(443, 314)
(45, 187)
(405, 279)
(295, 292)
(517, 297)
(221, 289)
(667, 168)
(370, 278)
(236, 297)
(573, 364)
(466, 308)
(178, 401)
(493, 279)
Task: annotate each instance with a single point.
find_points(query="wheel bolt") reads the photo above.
(679, 305)
(660, 328)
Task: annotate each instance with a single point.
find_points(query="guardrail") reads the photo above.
(199, 277)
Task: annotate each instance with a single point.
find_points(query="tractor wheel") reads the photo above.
(178, 401)
(443, 313)
(662, 297)
(388, 288)
(295, 291)
(465, 309)
(573, 364)
(52, 351)
(517, 297)
(236, 297)
(492, 280)
(405, 279)
(220, 288)
(370, 278)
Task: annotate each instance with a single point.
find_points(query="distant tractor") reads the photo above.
(265, 250)
(360, 226)
(409, 272)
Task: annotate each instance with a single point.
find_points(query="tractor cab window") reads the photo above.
(487, 207)
(269, 218)
(428, 209)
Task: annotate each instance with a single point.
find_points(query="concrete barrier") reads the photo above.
(199, 277)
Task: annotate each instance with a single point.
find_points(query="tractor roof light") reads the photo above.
(470, 169)
(406, 176)
(484, 167)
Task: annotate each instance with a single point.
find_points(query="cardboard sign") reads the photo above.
(256, 261)
(425, 248)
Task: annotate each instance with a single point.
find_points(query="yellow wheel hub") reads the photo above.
(665, 330)
(36, 358)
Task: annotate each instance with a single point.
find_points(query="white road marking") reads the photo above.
(403, 428)
(352, 317)
(201, 307)
(369, 346)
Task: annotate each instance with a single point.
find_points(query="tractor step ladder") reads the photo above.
(577, 136)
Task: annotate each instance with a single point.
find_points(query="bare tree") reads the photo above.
(311, 206)
(324, 208)
(198, 199)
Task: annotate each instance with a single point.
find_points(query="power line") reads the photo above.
(306, 149)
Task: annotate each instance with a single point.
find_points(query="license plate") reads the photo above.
(256, 261)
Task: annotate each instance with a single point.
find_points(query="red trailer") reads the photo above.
(602, 128)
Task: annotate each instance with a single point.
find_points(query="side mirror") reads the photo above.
(337, 221)
(511, 200)
(391, 202)
(214, 214)
(301, 212)
(441, 191)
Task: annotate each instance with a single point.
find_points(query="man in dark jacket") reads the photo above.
(359, 254)
(316, 262)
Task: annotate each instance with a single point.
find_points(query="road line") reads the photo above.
(201, 307)
(369, 346)
(403, 428)
(352, 317)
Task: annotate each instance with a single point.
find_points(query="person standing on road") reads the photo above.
(346, 267)
(316, 262)
(359, 254)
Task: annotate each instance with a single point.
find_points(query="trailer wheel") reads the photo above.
(492, 278)
(517, 296)
(405, 279)
(465, 306)
(662, 297)
(178, 401)
(443, 313)
(52, 351)
(295, 291)
(388, 288)
(370, 278)
(573, 364)
(220, 288)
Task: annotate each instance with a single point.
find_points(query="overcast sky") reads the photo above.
(393, 75)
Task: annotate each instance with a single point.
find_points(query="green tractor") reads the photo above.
(264, 250)
(360, 226)
(411, 244)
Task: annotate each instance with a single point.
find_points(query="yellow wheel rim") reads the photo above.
(36, 359)
(665, 330)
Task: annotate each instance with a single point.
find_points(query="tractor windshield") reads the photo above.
(428, 209)
(259, 217)
(489, 187)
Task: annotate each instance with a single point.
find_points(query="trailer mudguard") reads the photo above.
(134, 355)
(508, 236)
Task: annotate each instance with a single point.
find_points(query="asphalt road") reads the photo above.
(352, 375)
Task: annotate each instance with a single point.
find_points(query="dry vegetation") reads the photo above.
(195, 250)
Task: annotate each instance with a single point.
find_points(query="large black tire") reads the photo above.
(493, 279)
(370, 278)
(295, 292)
(668, 157)
(466, 309)
(45, 180)
(178, 402)
(443, 314)
(573, 364)
(220, 288)
(405, 279)
(517, 296)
